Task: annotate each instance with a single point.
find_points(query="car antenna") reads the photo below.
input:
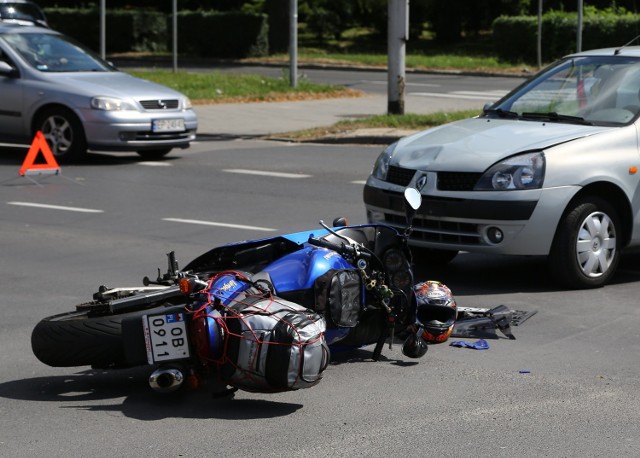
(617, 51)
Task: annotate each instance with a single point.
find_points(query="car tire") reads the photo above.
(586, 248)
(432, 257)
(154, 154)
(64, 133)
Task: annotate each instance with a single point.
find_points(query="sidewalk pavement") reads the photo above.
(260, 119)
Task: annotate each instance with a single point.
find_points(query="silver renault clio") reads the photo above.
(52, 84)
(550, 169)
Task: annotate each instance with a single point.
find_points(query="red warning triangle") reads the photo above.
(39, 144)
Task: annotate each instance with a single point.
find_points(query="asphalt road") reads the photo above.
(425, 84)
(566, 387)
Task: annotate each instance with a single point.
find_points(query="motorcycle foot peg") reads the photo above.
(166, 379)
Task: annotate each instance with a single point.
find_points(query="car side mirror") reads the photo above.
(6, 69)
(487, 106)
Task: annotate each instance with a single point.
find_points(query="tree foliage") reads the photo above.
(448, 20)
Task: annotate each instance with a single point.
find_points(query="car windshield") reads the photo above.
(48, 52)
(597, 90)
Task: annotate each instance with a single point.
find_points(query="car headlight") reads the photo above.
(524, 171)
(186, 103)
(110, 104)
(381, 167)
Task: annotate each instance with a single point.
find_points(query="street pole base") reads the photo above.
(395, 107)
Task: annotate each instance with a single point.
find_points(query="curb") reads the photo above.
(356, 137)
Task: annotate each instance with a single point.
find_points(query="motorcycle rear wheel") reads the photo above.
(79, 339)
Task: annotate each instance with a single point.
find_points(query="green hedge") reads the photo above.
(215, 34)
(200, 33)
(516, 37)
(125, 30)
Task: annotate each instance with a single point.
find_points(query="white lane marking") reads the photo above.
(359, 182)
(13, 145)
(266, 173)
(155, 164)
(211, 223)
(407, 84)
(460, 95)
(496, 93)
(56, 207)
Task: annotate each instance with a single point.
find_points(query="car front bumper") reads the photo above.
(511, 222)
(132, 131)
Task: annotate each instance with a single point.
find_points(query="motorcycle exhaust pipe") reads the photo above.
(166, 380)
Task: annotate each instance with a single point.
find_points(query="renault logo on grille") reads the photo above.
(421, 182)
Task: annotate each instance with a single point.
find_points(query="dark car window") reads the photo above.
(55, 53)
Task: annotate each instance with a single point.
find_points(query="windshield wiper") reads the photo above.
(557, 117)
(502, 113)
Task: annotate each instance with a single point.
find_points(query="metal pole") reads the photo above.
(539, 33)
(579, 35)
(293, 43)
(103, 29)
(398, 11)
(175, 36)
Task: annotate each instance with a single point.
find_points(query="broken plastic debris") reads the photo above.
(478, 345)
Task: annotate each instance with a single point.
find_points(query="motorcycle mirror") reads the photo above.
(340, 222)
(413, 198)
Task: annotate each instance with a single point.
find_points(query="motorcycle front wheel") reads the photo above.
(80, 339)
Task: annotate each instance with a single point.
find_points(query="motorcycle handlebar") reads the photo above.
(342, 249)
(322, 243)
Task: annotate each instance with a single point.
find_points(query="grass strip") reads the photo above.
(217, 87)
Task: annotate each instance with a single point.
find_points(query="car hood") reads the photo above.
(472, 145)
(114, 84)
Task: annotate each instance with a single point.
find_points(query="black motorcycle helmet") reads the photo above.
(415, 346)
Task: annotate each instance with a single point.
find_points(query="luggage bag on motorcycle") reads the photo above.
(338, 295)
(272, 345)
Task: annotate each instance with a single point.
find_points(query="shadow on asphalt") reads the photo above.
(140, 402)
(226, 137)
(16, 156)
(479, 274)
(364, 355)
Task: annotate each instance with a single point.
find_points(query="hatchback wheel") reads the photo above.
(586, 249)
(63, 132)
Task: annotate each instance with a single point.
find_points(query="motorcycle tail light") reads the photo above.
(206, 337)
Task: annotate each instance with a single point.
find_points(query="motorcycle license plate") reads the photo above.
(165, 337)
(168, 125)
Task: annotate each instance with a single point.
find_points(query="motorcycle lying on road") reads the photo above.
(261, 315)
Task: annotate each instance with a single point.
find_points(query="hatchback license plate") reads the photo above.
(167, 125)
(165, 337)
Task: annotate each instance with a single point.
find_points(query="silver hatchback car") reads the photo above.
(52, 84)
(550, 169)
